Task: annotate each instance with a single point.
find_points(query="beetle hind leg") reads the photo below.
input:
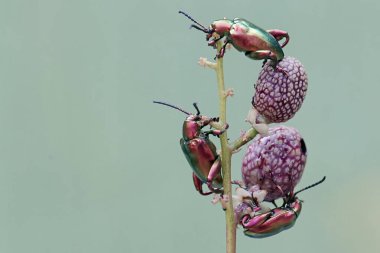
(279, 35)
(198, 185)
(213, 174)
(266, 55)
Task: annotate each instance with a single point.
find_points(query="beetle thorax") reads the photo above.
(191, 129)
(296, 206)
(221, 27)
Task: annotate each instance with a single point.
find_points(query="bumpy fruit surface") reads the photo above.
(275, 162)
(280, 91)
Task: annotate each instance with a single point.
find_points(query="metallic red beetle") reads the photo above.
(199, 151)
(277, 219)
(255, 42)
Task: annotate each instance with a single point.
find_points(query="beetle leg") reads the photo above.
(261, 55)
(265, 61)
(214, 171)
(279, 35)
(212, 43)
(217, 132)
(283, 72)
(223, 49)
(248, 222)
(276, 67)
(198, 185)
(206, 121)
(266, 55)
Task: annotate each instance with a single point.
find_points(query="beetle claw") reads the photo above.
(264, 62)
(214, 190)
(282, 71)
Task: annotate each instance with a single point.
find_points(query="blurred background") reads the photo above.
(89, 164)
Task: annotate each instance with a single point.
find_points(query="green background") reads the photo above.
(89, 164)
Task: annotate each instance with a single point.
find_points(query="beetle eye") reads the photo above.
(303, 146)
(196, 118)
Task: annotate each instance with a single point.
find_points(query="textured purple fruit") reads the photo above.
(275, 162)
(280, 91)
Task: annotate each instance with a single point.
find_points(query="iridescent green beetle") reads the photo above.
(255, 42)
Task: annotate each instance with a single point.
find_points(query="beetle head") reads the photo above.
(217, 30)
(193, 124)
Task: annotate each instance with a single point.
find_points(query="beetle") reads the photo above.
(277, 219)
(199, 151)
(255, 42)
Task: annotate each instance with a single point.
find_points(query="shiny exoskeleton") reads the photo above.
(277, 219)
(200, 152)
(255, 42)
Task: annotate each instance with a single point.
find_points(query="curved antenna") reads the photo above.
(189, 17)
(196, 108)
(311, 186)
(172, 106)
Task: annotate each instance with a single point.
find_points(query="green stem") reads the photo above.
(249, 135)
(226, 158)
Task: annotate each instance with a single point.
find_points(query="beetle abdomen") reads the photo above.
(248, 37)
(201, 154)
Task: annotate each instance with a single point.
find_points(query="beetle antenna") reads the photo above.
(196, 108)
(311, 186)
(172, 106)
(196, 27)
(199, 28)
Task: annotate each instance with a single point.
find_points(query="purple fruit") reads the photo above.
(275, 162)
(280, 91)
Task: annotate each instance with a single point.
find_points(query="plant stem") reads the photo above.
(249, 135)
(226, 158)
